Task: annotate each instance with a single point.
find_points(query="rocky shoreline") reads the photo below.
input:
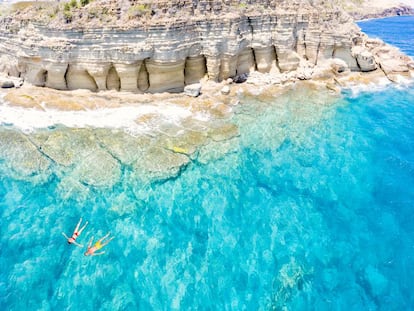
(370, 9)
(165, 136)
(383, 13)
(73, 73)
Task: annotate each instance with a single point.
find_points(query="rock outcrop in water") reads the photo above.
(137, 47)
(155, 146)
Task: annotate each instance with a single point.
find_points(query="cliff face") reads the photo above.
(168, 54)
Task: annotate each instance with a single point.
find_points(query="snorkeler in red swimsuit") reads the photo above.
(75, 235)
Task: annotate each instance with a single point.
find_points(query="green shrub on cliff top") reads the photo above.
(138, 10)
(73, 3)
(67, 13)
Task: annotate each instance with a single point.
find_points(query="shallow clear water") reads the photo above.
(312, 210)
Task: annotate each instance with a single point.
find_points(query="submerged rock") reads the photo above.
(216, 150)
(71, 188)
(20, 158)
(377, 282)
(187, 143)
(67, 147)
(79, 153)
(223, 132)
(98, 169)
(159, 164)
(124, 147)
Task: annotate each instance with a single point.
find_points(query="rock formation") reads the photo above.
(367, 9)
(162, 50)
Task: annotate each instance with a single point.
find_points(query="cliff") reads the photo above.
(157, 46)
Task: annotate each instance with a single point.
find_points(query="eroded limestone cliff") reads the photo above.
(156, 46)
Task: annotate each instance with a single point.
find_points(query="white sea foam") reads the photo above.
(378, 86)
(359, 88)
(28, 119)
(201, 116)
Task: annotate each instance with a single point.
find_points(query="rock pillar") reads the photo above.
(265, 59)
(228, 66)
(245, 62)
(99, 72)
(195, 69)
(128, 75)
(55, 78)
(77, 77)
(165, 76)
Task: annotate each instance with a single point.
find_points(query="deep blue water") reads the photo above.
(312, 211)
(397, 31)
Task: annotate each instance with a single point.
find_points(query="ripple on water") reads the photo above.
(308, 203)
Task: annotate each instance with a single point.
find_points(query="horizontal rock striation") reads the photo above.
(166, 56)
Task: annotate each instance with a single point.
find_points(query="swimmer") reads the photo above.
(98, 245)
(75, 235)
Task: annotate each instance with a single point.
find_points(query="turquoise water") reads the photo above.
(311, 210)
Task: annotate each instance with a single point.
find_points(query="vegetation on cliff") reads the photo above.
(132, 13)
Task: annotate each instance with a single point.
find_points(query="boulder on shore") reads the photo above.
(6, 84)
(193, 90)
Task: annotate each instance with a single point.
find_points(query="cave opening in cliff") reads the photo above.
(113, 82)
(41, 78)
(143, 77)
